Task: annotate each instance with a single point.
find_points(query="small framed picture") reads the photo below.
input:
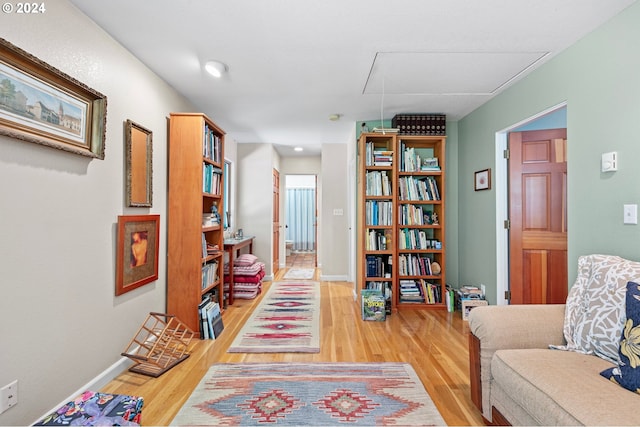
(482, 180)
(138, 251)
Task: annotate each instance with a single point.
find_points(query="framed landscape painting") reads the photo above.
(41, 104)
(137, 249)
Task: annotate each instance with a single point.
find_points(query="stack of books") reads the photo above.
(410, 292)
(430, 164)
(209, 274)
(382, 158)
(209, 220)
(210, 317)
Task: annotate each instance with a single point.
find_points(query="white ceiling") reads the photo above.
(293, 63)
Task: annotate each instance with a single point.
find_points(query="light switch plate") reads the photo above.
(609, 162)
(630, 214)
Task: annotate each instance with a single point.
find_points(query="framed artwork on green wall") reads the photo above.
(482, 180)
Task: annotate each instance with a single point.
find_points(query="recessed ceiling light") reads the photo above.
(334, 117)
(298, 149)
(216, 68)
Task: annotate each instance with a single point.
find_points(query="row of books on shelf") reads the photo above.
(379, 266)
(378, 184)
(210, 274)
(409, 214)
(420, 291)
(211, 145)
(210, 317)
(377, 157)
(211, 179)
(208, 248)
(416, 239)
(378, 240)
(413, 162)
(420, 124)
(418, 188)
(415, 265)
(384, 288)
(378, 212)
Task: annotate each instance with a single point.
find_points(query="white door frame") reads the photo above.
(501, 181)
(352, 211)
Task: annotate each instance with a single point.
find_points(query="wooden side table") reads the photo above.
(233, 247)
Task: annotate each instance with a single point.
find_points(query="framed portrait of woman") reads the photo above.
(138, 243)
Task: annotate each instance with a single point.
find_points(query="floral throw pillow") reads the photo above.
(594, 313)
(627, 373)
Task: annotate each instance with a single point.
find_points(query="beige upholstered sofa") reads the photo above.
(517, 379)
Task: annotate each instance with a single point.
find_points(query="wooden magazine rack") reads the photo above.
(161, 343)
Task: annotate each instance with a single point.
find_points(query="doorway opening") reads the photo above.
(501, 179)
(301, 225)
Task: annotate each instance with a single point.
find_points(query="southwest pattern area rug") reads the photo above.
(299, 273)
(287, 320)
(319, 394)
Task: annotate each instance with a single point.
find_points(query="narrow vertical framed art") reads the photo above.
(139, 165)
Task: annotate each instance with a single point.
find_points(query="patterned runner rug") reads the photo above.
(319, 394)
(299, 273)
(287, 320)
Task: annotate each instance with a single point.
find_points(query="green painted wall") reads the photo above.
(599, 78)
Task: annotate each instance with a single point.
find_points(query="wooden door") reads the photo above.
(276, 222)
(538, 217)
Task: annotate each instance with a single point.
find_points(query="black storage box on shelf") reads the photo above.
(420, 124)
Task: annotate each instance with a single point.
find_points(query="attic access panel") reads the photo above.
(447, 73)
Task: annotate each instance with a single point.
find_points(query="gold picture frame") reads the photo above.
(41, 104)
(139, 165)
(137, 251)
(482, 180)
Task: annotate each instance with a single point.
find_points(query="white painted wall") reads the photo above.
(254, 204)
(60, 323)
(335, 211)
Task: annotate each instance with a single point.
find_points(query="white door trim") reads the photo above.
(501, 182)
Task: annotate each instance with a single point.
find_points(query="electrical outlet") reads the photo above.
(8, 396)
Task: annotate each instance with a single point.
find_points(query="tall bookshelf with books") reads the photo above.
(194, 232)
(376, 226)
(405, 225)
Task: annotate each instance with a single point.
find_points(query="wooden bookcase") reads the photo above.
(377, 225)
(196, 150)
(401, 226)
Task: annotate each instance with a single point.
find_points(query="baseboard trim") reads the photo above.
(333, 278)
(104, 378)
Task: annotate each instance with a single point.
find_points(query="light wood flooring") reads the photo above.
(301, 260)
(435, 343)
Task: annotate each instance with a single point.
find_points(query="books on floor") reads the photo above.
(373, 305)
(210, 318)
